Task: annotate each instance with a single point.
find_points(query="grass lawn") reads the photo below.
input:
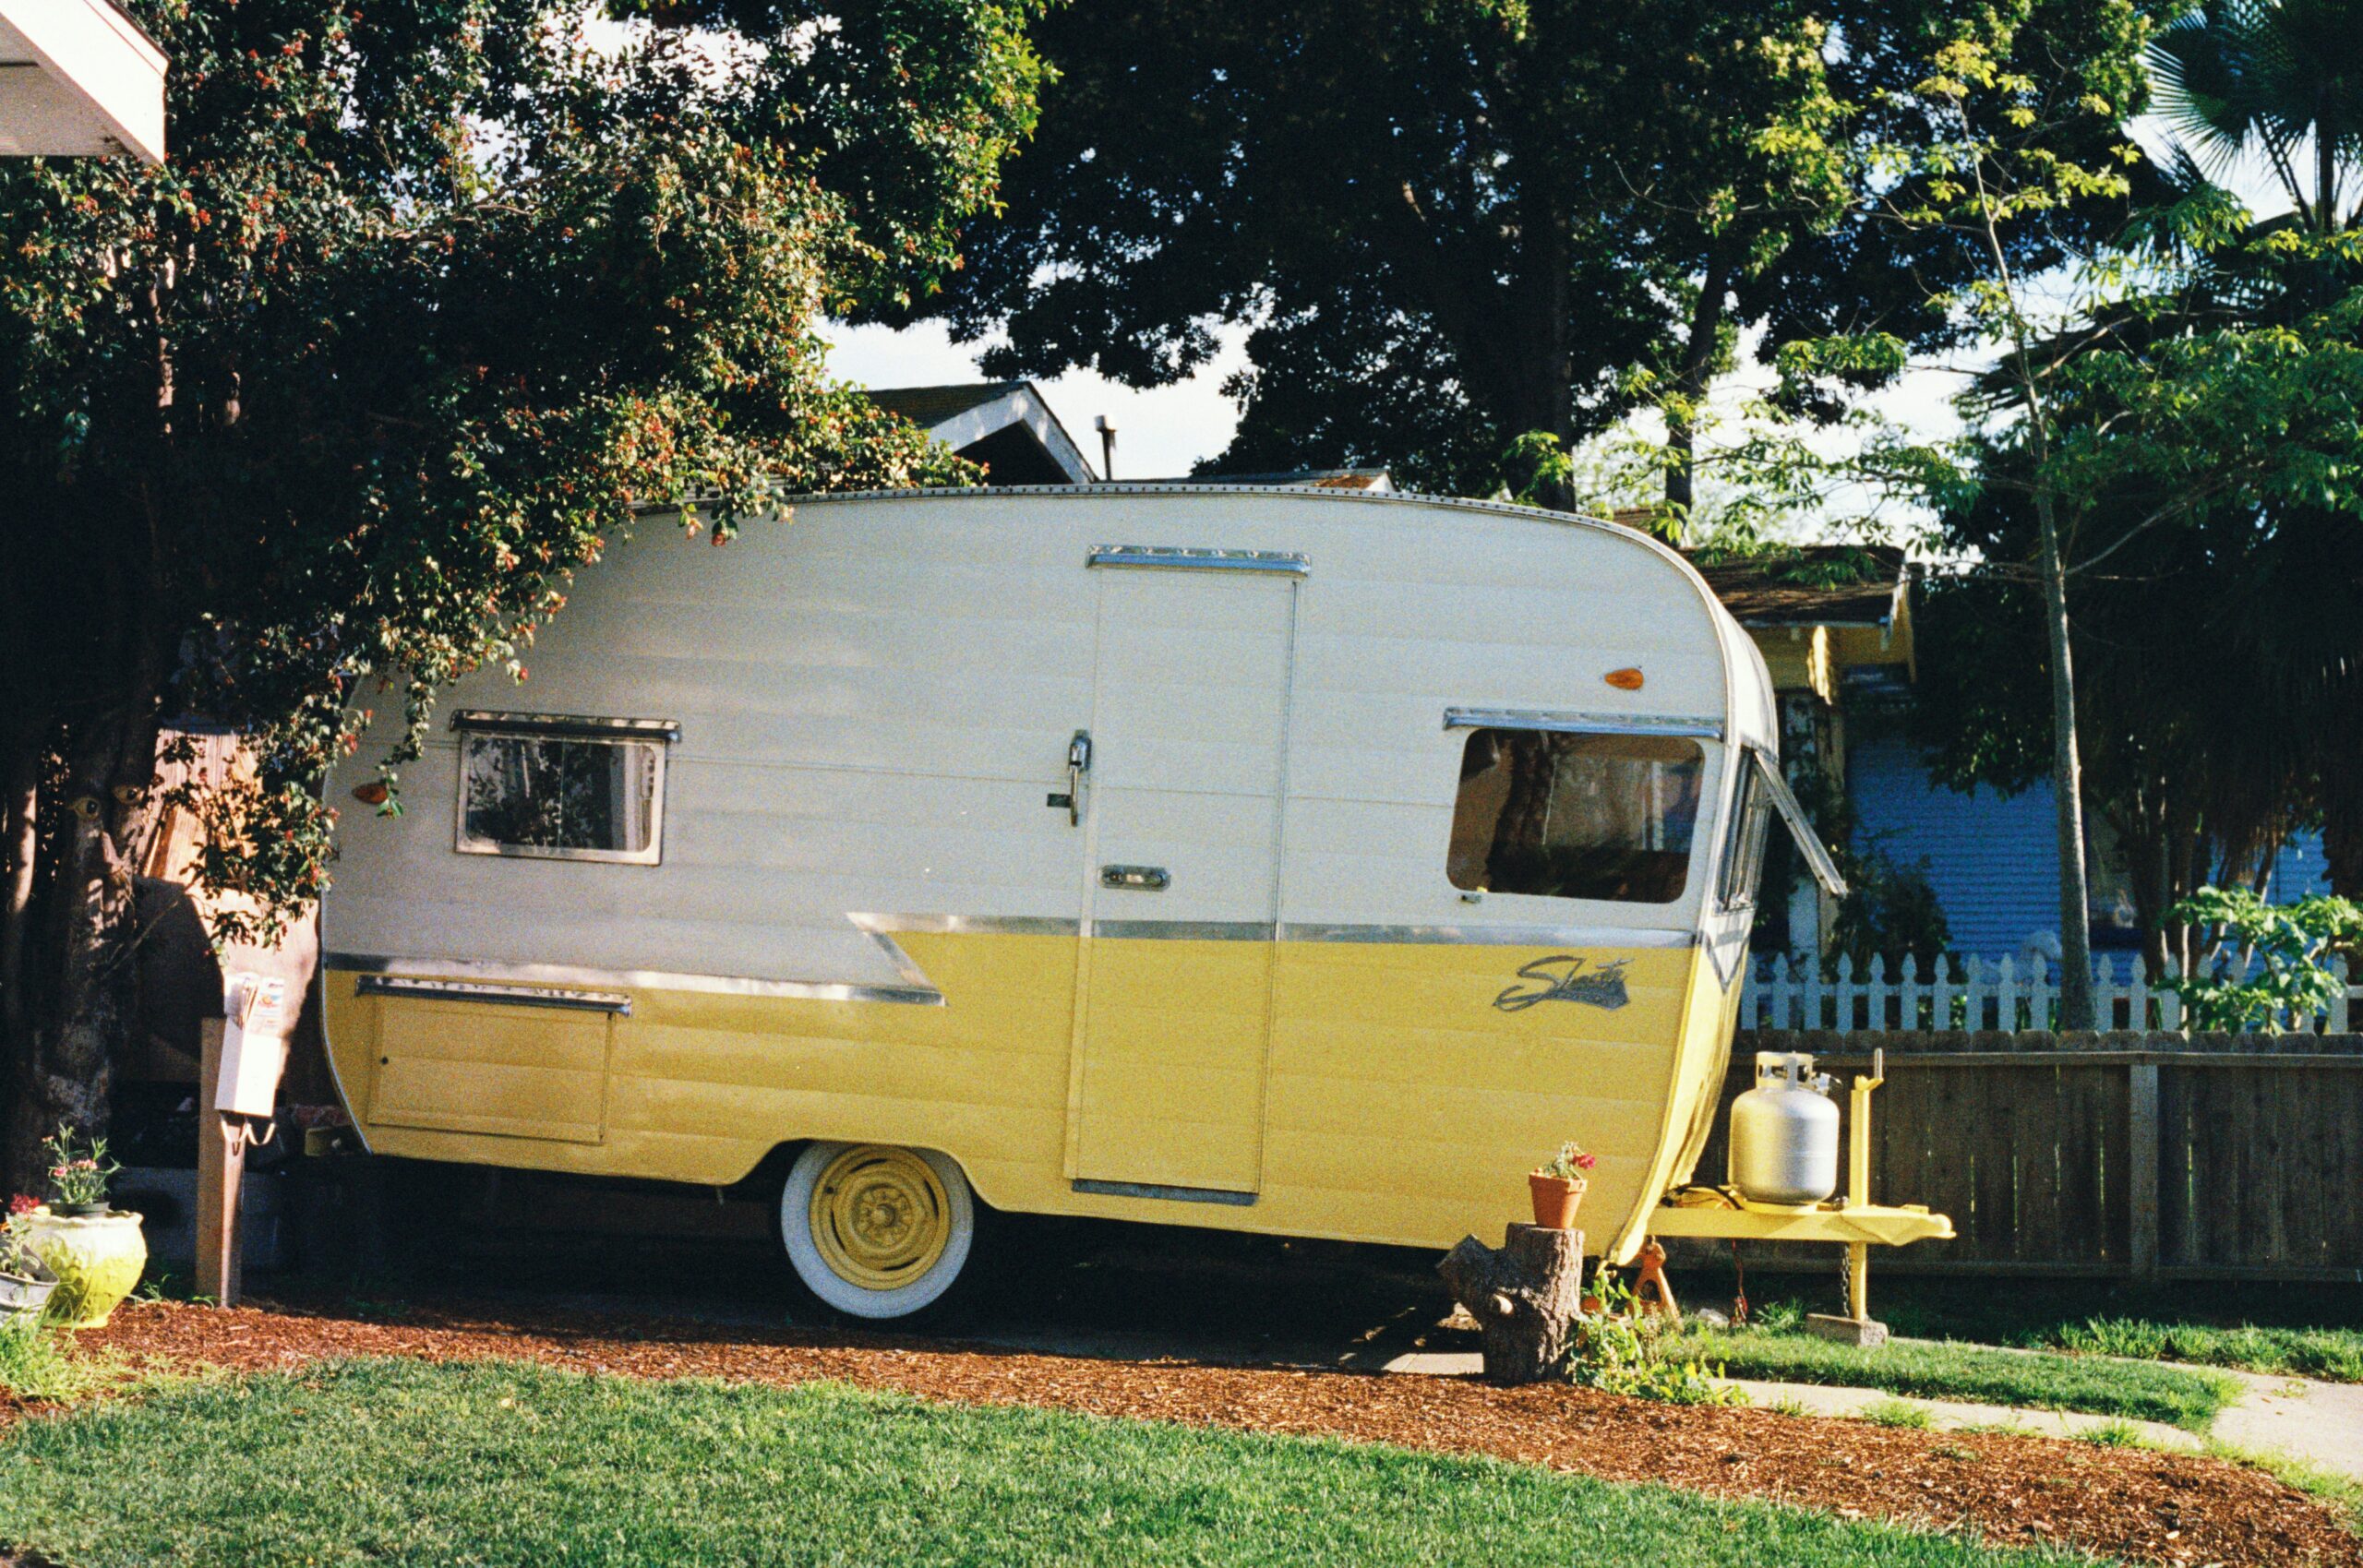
(34, 1364)
(2336, 1354)
(2183, 1397)
(2302, 1330)
(400, 1462)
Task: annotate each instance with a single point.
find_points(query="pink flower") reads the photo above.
(22, 1203)
(1585, 1162)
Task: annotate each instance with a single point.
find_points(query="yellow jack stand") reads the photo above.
(1856, 1223)
(1857, 1327)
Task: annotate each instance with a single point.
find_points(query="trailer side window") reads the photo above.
(1575, 816)
(1744, 856)
(564, 790)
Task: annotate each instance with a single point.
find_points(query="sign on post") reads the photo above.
(244, 1054)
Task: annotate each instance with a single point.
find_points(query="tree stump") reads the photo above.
(1524, 1297)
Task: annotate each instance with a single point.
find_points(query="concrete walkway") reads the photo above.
(2318, 1423)
(1951, 1414)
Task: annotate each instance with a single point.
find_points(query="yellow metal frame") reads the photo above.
(1856, 1225)
(1856, 1222)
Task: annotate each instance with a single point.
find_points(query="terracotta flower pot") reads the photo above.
(1557, 1199)
(98, 1261)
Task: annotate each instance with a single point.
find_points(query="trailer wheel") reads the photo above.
(877, 1231)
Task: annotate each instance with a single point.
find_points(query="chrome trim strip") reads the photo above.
(652, 856)
(1174, 1194)
(579, 726)
(1490, 936)
(1185, 930)
(918, 991)
(616, 1002)
(1162, 557)
(961, 925)
(638, 979)
(1582, 723)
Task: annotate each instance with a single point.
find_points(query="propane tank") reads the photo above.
(1784, 1132)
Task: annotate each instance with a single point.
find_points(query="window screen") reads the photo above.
(570, 798)
(1575, 816)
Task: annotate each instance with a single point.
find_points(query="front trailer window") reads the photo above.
(560, 798)
(1575, 816)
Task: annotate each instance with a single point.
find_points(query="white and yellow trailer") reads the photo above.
(1276, 860)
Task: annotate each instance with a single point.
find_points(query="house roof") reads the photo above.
(78, 76)
(932, 406)
(1837, 585)
(1006, 425)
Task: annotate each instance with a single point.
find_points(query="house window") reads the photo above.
(562, 788)
(1744, 853)
(1560, 815)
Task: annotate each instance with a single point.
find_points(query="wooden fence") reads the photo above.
(1962, 994)
(2139, 1155)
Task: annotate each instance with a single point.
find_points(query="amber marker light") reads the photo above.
(1627, 679)
(371, 794)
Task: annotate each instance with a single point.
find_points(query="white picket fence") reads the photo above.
(1968, 994)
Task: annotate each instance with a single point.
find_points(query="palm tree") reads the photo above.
(2282, 77)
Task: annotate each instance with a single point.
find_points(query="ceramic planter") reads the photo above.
(24, 1295)
(1557, 1199)
(98, 1259)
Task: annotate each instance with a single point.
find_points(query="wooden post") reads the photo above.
(220, 1170)
(1524, 1297)
(2141, 1169)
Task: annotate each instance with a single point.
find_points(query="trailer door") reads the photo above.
(1188, 765)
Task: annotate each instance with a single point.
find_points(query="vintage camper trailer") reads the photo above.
(1281, 860)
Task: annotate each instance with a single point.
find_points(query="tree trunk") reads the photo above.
(20, 842)
(1690, 386)
(2341, 800)
(79, 978)
(2067, 787)
(1524, 1297)
(1529, 344)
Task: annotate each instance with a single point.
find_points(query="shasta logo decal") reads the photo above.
(1562, 978)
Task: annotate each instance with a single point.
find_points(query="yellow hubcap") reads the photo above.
(880, 1217)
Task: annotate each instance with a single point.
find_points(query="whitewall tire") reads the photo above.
(875, 1230)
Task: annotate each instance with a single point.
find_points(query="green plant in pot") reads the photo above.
(1557, 1186)
(78, 1175)
(96, 1254)
(25, 1281)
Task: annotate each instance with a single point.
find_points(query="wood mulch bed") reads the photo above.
(2152, 1507)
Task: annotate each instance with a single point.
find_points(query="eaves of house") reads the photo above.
(79, 77)
(1818, 612)
(1003, 426)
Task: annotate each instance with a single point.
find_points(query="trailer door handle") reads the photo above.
(1140, 879)
(1078, 765)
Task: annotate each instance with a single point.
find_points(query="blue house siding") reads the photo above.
(1988, 857)
(2298, 870)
